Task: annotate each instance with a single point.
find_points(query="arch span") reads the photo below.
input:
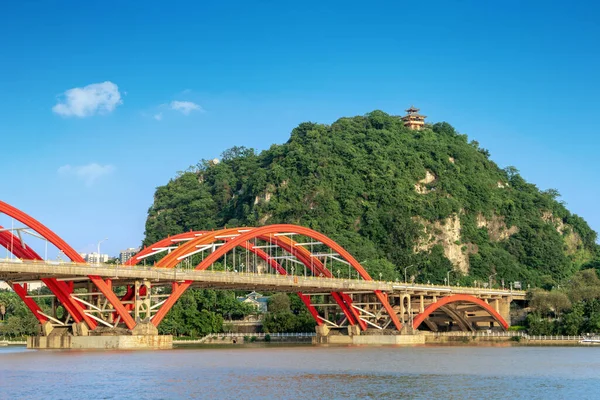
(459, 298)
(238, 236)
(60, 289)
(163, 245)
(166, 243)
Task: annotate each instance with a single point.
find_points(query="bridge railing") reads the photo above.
(261, 335)
(523, 335)
(184, 273)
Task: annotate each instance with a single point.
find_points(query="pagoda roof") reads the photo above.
(413, 116)
(412, 109)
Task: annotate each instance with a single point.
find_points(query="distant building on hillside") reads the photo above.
(256, 299)
(414, 120)
(126, 254)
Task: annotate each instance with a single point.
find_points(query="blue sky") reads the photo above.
(102, 102)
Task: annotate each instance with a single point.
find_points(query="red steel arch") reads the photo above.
(19, 249)
(42, 230)
(22, 251)
(61, 289)
(148, 250)
(459, 298)
(247, 234)
(195, 234)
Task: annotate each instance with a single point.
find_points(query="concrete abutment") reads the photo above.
(121, 342)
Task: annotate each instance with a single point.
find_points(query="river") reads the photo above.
(298, 372)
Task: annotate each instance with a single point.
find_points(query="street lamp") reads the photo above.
(490, 278)
(99, 249)
(405, 269)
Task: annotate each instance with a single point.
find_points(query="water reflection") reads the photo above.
(304, 372)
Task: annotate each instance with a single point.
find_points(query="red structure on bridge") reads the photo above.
(275, 249)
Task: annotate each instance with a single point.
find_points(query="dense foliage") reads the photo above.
(355, 181)
(201, 312)
(287, 314)
(15, 318)
(571, 309)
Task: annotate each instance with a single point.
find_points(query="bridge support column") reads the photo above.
(46, 328)
(322, 330)
(141, 310)
(353, 330)
(405, 308)
(503, 308)
(81, 329)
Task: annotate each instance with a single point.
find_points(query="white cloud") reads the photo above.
(158, 116)
(185, 107)
(87, 173)
(89, 100)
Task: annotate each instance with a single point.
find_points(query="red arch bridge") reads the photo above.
(337, 291)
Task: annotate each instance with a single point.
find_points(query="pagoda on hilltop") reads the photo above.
(414, 120)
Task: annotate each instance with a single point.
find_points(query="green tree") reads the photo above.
(279, 303)
(573, 321)
(381, 266)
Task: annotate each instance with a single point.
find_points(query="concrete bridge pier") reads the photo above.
(353, 335)
(503, 307)
(121, 342)
(144, 335)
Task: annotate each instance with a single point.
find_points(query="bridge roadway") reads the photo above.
(30, 271)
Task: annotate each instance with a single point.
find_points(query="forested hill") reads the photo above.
(392, 196)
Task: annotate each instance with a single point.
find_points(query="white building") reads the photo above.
(30, 285)
(93, 257)
(126, 254)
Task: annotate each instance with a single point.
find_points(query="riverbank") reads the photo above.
(519, 338)
(4, 343)
(425, 338)
(239, 338)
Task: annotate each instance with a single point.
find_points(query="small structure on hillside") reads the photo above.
(414, 120)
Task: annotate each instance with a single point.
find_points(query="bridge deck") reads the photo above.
(28, 271)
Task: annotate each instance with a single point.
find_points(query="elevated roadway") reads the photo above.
(17, 271)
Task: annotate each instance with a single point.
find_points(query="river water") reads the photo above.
(298, 372)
